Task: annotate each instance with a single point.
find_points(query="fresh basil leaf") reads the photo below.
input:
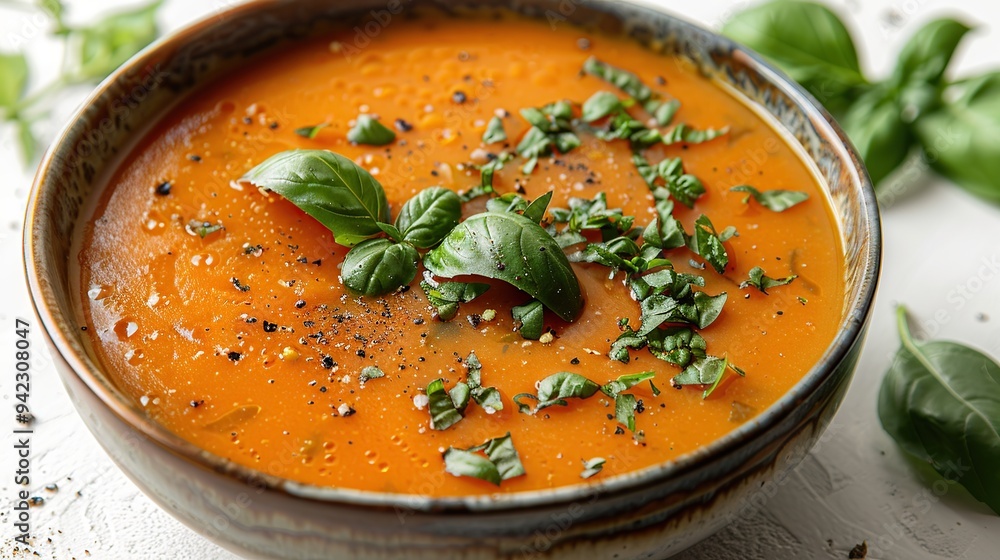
(963, 135)
(370, 372)
(13, 79)
(486, 171)
(706, 243)
(105, 45)
(443, 410)
(625, 406)
(705, 371)
(531, 317)
(378, 266)
(310, 132)
(459, 462)
(776, 200)
(460, 395)
(554, 389)
(487, 397)
(522, 407)
(762, 282)
(940, 401)
(447, 296)
(808, 42)
(688, 135)
(926, 55)
(507, 202)
(875, 126)
(626, 382)
(536, 210)
(26, 140)
(426, 218)
(671, 234)
(626, 340)
(367, 130)
(509, 247)
(502, 453)
(494, 131)
(600, 105)
(342, 195)
(203, 228)
(592, 467)
(392, 231)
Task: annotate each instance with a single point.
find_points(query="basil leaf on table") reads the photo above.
(762, 282)
(509, 247)
(108, 43)
(446, 296)
(776, 200)
(940, 401)
(13, 80)
(494, 131)
(343, 196)
(875, 125)
(427, 217)
(808, 42)
(367, 130)
(378, 266)
(928, 52)
(531, 318)
(963, 136)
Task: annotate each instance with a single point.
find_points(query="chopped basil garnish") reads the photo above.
(500, 462)
(446, 296)
(699, 310)
(776, 200)
(706, 371)
(592, 467)
(555, 389)
(626, 382)
(445, 412)
(762, 282)
(707, 243)
(494, 131)
(531, 317)
(600, 105)
(625, 406)
(367, 130)
(550, 129)
(628, 82)
(685, 188)
(310, 132)
(486, 397)
(689, 135)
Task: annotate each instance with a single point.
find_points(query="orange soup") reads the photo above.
(219, 305)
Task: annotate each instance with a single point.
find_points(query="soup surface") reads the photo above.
(246, 343)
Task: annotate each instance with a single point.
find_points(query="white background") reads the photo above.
(855, 486)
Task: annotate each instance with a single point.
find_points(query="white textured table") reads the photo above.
(855, 486)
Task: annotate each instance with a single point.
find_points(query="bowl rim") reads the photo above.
(851, 328)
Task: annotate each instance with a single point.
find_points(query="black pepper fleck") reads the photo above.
(163, 189)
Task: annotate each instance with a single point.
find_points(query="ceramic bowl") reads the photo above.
(651, 513)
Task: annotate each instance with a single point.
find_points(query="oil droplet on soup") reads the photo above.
(215, 328)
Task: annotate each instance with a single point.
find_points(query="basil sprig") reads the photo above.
(500, 462)
(954, 123)
(776, 200)
(940, 401)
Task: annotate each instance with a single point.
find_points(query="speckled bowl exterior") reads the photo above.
(650, 513)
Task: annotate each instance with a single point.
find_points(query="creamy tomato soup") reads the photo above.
(244, 340)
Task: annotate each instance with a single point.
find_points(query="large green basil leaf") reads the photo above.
(427, 217)
(962, 136)
(343, 196)
(926, 55)
(940, 401)
(379, 266)
(875, 126)
(13, 79)
(111, 41)
(808, 42)
(509, 247)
